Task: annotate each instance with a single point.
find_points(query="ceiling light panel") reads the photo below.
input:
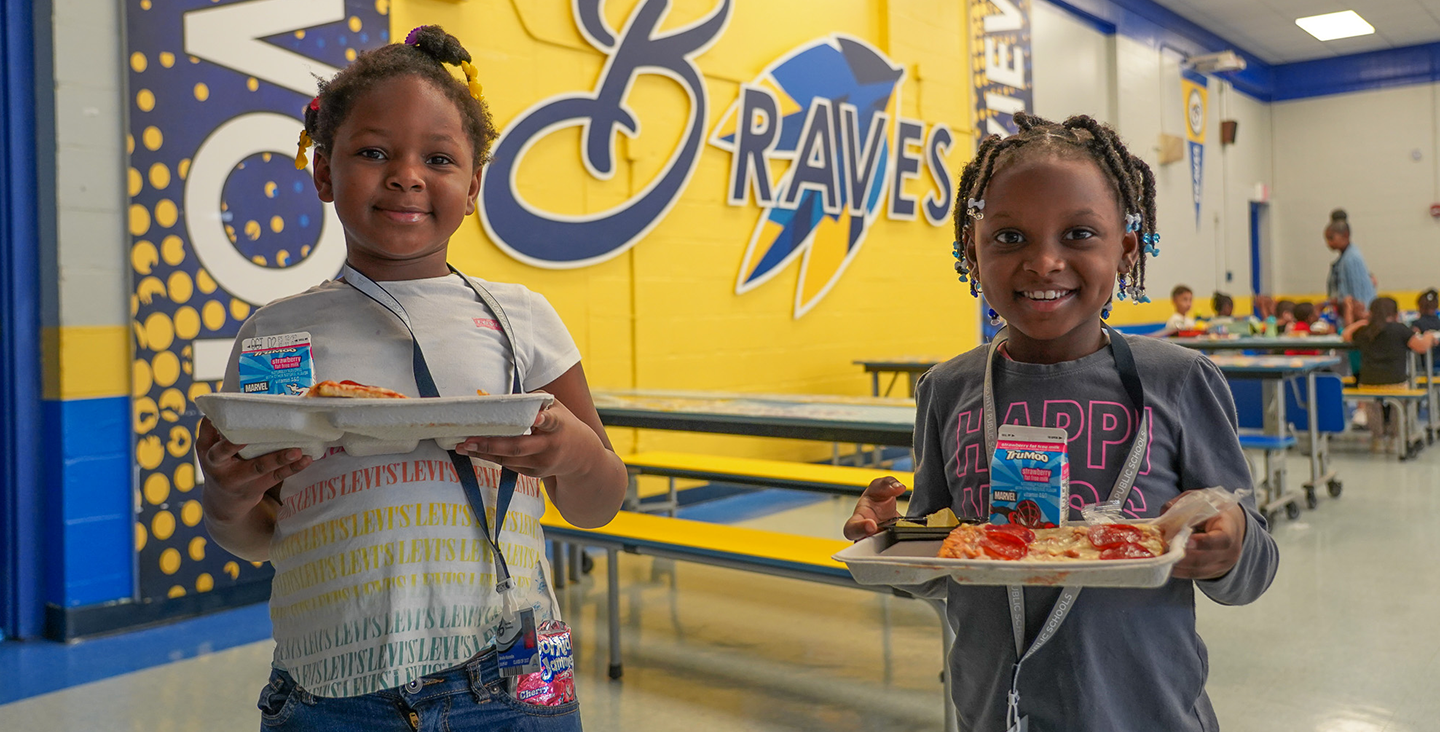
(1330, 26)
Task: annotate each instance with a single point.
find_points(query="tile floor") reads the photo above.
(1345, 641)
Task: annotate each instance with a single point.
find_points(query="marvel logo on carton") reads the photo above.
(1030, 477)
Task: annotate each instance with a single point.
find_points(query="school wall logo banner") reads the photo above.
(828, 110)
(1194, 89)
(220, 222)
(1001, 64)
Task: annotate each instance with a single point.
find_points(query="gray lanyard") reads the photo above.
(425, 382)
(1130, 378)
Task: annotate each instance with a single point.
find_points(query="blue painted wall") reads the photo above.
(90, 526)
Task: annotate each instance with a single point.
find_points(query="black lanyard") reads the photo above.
(464, 469)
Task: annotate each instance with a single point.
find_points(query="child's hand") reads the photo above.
(876, 506)
(1215, 546)
(559, 445)
(234, 486)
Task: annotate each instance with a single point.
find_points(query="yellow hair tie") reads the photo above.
(472, 80)
(300, 160)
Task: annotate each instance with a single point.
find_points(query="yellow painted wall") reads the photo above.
(665, 314)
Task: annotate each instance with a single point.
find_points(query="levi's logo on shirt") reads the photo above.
(487, 323)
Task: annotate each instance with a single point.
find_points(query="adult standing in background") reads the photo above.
(1350, 285)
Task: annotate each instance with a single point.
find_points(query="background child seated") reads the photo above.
(1383, 344)
(1183, 298)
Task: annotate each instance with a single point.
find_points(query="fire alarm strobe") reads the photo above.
(1435, 210)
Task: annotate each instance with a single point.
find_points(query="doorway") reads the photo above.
(1261, 253)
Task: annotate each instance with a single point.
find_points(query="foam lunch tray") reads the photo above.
(265, 423)
(878, 561)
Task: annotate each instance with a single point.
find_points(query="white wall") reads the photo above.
(93, 248)
(1358, 152)
(1136, 88)
(1074, 71)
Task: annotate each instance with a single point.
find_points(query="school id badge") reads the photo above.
(518, 644)
(277, 364)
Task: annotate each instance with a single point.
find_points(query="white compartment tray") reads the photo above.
(265, 423)
(871, 562)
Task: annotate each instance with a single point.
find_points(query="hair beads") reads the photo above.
(1078, 136)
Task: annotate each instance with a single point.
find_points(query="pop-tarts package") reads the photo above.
(278, 364)
(1030, 477)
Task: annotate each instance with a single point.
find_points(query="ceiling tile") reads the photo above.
(1267, 27)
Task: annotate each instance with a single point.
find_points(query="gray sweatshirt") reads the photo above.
(1123, 659)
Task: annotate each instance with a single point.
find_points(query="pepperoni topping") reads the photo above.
(1004, 545)
(1108, 536)
(1127, 551)
(1016, 530)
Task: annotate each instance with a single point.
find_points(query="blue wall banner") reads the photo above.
(1001, 64)
(220, 222)
(1194, 90)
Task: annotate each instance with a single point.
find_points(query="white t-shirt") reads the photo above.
(381, 574)
(1178, 322)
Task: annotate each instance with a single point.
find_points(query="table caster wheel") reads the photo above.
(1310, 500)
(1292, 511)
(1335, 487)
(586, 563)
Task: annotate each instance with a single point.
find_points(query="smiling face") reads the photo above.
(1049, 249)
(400, 175)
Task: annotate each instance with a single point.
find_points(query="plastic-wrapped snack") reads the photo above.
(554, 683)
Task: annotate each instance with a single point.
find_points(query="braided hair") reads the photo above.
(1080, 136)
(423, 55)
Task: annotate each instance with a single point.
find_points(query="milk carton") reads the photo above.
(1030, 477)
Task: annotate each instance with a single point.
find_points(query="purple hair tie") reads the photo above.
(411, 39)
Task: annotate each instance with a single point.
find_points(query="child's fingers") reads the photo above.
(858, 527)
(885, 488)
(548, 420)
(488, 448)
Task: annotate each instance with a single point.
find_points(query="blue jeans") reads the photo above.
(468, 697)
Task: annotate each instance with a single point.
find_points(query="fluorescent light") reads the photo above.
(1330, 26)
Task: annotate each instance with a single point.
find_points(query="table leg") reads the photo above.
(1316, 473)
(575, 562)
(558, 551)
(1430, 395)
(911, 376)
(612, 571)
(875, 383)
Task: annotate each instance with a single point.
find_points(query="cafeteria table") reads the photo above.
(1279, 369)
(869, 420)
(911, 366)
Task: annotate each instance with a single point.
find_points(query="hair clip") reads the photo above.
(472, 80)
(413, 38)
(1132, 223)
(315, 103)
(305, 142)
(976, 209)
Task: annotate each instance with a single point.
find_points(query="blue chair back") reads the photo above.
(1249, 402)
(1330, 406)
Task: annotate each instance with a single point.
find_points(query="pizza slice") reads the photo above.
(352, 390)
